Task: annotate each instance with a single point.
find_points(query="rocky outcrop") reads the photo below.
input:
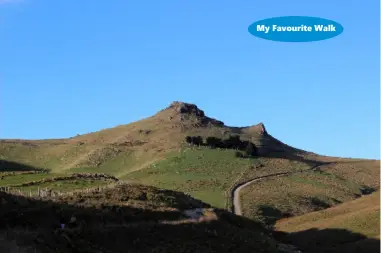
(186, 111)
(185, 108)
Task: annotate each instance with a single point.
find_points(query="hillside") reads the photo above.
(130, 147)
(354, 225)
(124, 218)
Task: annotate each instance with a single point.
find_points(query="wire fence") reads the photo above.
(49, 193)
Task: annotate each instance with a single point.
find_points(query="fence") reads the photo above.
(49, 193)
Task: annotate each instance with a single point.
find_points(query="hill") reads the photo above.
(280, 181)
(153, 151)
(124, 218)
(129, 147)
(354, 226)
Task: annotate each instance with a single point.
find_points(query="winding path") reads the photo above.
(235, 194)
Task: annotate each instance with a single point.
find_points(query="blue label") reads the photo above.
(295, 29)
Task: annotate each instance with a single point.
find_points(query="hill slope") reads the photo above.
(153, 152)
(357, 225)
(124, 218)
(128, 147)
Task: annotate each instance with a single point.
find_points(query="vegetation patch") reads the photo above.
(297, 194)
(202, 172)
(349, 227)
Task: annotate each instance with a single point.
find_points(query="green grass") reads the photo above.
(23, 178)
(119, 165)
(301, 180)
(14, 180)
(264, 166)
(203, 173)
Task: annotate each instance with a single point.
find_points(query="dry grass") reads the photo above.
(360, 216)
(297, 194)
(357, 222)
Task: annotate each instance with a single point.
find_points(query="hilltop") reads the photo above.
(138, 144)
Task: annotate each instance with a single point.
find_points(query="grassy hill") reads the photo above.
(357, 226)
(124, 218)
(298, 193)
(130, 147)
(153, 152)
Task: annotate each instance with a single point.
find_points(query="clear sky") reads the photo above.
(72, 67)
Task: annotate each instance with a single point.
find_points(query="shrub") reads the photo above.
(213, 142)
(238, 154)
(195, 140)
(232, 142)
(251, 149)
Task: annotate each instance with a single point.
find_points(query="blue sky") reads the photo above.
(72, 67)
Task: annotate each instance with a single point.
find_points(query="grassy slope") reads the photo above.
(204, 173)
(56, 182)
(130, 147)
(128, 217)
(360, 216)
(300, 193)
(208, 174)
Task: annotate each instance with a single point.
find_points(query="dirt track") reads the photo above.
(236, 190)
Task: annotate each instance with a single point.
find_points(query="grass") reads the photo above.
(64, 185)
(202, 172)
(30, 183)
(298, 194)
(357, 217)
(264, 166)
(151, 151)
(127, 217)
(125, 148)
(9, 180)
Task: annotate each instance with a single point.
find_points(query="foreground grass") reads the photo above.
(127, 218)
(204, 173)
(357, 217)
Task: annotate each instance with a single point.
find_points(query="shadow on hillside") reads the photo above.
(271, 215)
(329, 241)
(9, 166)
(34, 224)
(100, 227)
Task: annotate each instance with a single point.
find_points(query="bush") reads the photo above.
(195, 140)
(232, 142)
(251, 149)
(238, 154)
(214, 142)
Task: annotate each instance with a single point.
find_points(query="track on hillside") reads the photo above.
(236, 209)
